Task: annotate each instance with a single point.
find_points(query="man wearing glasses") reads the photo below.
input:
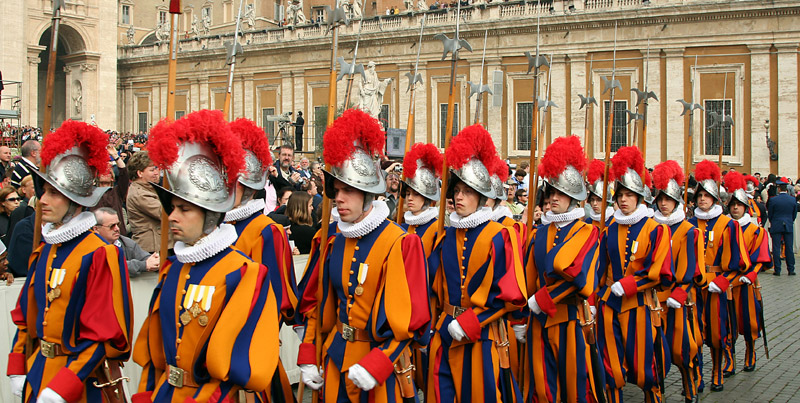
(108, 227)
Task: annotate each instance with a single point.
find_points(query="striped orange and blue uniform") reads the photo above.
(681, 325)
(266, 242)
(307, 287)
(90, 321)
(236, 348)
(639, 257)
(516, 318)
(392, 309)
(746, 302)
(560, 265)
(479, 270)
(725, 258)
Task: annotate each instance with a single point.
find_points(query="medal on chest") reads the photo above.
(363, 268)
(56, 278)
(196, 303)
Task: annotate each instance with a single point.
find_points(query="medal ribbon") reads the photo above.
(57, 277)
(199, 293)
(363, 269)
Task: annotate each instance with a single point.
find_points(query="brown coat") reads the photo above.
(144, 216)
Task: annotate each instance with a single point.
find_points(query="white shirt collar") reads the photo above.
(69, 230)
(563, 219)
(677, 216)
(633, 218)
(208, 246)
(715, 212)
(473, 220)
(373, 220)
(245, 210)
(424, 217)
(596, 217)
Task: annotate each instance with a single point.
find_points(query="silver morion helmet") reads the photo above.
(571, 183)
(424, 182)
(475, 175)
(70, 173)
(359, 171)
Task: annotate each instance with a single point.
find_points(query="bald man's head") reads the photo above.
(5, 153)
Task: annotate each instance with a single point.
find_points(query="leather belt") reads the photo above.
(713, 269)
(178, 377)
(352, 334)
(51, 350)
(454, 311)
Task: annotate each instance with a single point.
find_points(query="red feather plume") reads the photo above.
(597, 168)
(648, 178)
(500, 168)
(472, 141)
(80, 134)
(734, 180)
(429, 154)
(562, 152)
(203, 126)
(627, 157)
(253, 139)
(354, 126)
(752, 179)
(706, 170)
(665, 171)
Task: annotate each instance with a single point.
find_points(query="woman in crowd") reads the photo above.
(9, 201)
(144, 208)
(300, 211)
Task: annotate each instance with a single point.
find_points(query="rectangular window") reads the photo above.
(320, 123)
(269, 126)
(278, 11)
(206, 13)
(524, 125)
(143, 122)
(383, 116)
(443, 122)
(126, 15)
(162, 17)
(319, 14)
(227, 11)
(717, 128)
(179, 114)
(619, 128)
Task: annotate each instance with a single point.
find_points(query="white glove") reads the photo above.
(456, 331)
(361, 378)
(713, 287)
(617, 289)
(50, 396)
(300, 331)
(310, 376)
(17, 383)
(673, 303)
(745, 280)
(535, 308)
(594, 311)
(521, 331)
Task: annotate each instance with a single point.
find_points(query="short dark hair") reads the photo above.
(29, 147)
(139, 162)
(285, 147)
(520, 172)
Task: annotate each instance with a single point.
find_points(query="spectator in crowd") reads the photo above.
(305, 168)
(298, 131)
(21, 240)
(109, 226)
(26, 189)
(30, 161)
(392, 193)
(285, 175)
(782, 211)
(279, 215)
(144, 208)
(5, 161)
(519, 176)
(283, 196)
(299, 210)
(115, 197)
(7, 178)
(316, 170)
(27, 206)
(271, 198)
(520, 201)
(9, 201)
(5, 274)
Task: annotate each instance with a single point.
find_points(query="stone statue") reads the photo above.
(162, 31)
(250, 15)
(194, 30)
(77, 98)
(422, 5)
(371, 92)
(294, 14)
(131, 34)
(355, 8)
(409, 5)
(206, 24)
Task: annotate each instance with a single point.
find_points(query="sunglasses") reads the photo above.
(110, 226)
(14, 199)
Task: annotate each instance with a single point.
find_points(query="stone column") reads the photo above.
(421, 112)
(403, 96)
(237, 103)
(759, 108)
(157, 100)
(194, 95)
(558, 115)
(495, 123)
(30, 114)
(577, 119)
(676, 147)
(787, 109)
(653, 83)
(249, 104)
(203, 98)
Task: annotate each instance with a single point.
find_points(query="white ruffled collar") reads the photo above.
(69, 230)
(245, 210)
(715, 212)
(471, 221)
(745, 220)
(650, 212)
(677, 216)
(633, 218)
(422, 218)
(544, 219)
(501, 211)
(563, 219)
(208, 246)
(596, 216)
(373, 220)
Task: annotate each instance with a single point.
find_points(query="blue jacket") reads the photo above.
(782, 211)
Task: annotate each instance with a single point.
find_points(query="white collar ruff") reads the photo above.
(596, 217)
(650, 212)
(422, 218)
(636, 216)
(677, 216)
(745, 220)
(335, 215)
(501, 211)
(373, 220)
(245, 210)
(715, 212)
(563, 219)
(69, 230)
(471, 221)
(208, 246)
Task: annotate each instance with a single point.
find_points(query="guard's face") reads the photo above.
(466, 199)
(595, 203)
(666, 205)
(415, 203)
(627, 201)
(704, 200)
(737, 209)
(559, 202)
(186, 221)
(54, 205)
(349, 201)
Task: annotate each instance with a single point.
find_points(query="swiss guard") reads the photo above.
(422, 167)
(74, 313)
(681, 322)
(477, 280)
(204, 335)
(725, 259)
(560, 265)
(635, 262)
(745, 290)
(373, 304)
(594, 176)
(260, 237)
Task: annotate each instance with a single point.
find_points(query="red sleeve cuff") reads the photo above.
(678, 294)
(470, 323)
(307, 354)
(189, 399)
(629, 285)
(545, 302)
(722, 282)
(143, 397)
(752, 276)
(16, 364)
(67, 385)
(377, 364)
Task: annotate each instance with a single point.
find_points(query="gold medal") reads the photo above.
(195, 310)
(186, 317)
(359, 290)
(202, 320)
(53, 294)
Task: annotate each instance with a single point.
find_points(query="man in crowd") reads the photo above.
(305, 168)
(29, 162)
(286, 175)
(782, 211)
(108, 226)
(392, 193)
(5, 160)
(298, 131)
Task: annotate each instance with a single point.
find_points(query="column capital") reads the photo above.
(34, 60)
(759, 47)
(674, 52)
(577, 57)
(786, 47)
